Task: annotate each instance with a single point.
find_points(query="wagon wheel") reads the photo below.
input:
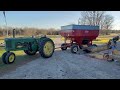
(74, 48)
(46, 48)
(63, 46)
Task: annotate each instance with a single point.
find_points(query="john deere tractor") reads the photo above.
(30, 45)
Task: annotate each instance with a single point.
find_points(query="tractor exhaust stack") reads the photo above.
(13, 33)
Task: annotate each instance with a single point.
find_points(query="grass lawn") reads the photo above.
(1, 41)
(102, 39)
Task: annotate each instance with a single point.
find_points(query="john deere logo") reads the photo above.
(86, 31)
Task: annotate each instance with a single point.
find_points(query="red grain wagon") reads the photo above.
(78, 35)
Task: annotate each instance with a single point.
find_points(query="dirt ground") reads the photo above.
(65, 65)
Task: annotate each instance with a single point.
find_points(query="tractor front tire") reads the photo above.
(46, 47)
(3, 57)
(10, 58)
(28, 52)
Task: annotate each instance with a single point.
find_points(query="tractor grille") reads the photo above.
(8, 44)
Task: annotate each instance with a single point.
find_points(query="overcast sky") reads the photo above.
(48, 19)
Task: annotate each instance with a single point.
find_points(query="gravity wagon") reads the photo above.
(79, 36)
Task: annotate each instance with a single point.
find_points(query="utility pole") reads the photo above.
(5, 22)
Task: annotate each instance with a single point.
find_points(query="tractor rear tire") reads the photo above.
(10, 58)
(63, 46)
(28, 52)
(74, 49)
(46, 47)
(3, 57)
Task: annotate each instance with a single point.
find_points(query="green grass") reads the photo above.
(1, 41)
(103, 39)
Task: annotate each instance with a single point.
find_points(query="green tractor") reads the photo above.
(30, 45)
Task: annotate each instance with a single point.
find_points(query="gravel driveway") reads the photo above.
(65, 65)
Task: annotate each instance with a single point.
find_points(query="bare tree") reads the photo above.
(96, 18)
(106, 22)
(91, 17)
